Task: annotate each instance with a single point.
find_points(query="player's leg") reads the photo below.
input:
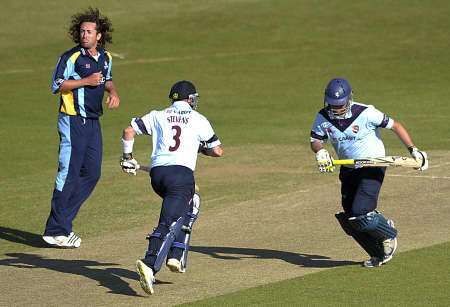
(350, 181)
(371, 246)
(58, 228)
(160, 242)
(176, 185)
(178, 255)
(366, 219)
(90, 169)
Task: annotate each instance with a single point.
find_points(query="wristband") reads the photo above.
(127, 146)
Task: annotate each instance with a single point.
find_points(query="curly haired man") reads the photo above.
(82, 75)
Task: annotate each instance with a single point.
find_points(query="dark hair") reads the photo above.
(104, 26)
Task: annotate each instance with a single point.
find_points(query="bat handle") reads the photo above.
(344, 162)
(144, 168)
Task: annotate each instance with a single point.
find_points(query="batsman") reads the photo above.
(178, 134)
(354, 132)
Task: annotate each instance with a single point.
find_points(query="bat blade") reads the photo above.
(381, 161)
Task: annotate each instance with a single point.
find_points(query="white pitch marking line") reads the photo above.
(17, 71)
(118, 55)
(439, 165)
(418, 176)
(169, 59)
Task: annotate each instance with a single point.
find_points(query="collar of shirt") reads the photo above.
(85, 52)
(181, 104)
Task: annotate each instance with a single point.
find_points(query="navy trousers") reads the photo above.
(360, 189)
(80, 159)
(176, 185)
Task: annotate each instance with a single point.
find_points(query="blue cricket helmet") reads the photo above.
(184, 90)
(338, 92)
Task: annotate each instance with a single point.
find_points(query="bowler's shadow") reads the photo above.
(110, 278)
(304, 260)
(21, 237)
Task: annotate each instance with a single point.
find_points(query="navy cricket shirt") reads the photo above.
(76, 64)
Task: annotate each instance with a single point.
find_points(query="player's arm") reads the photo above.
(128, 142)
(210, 144)
(403, 135)
(316, 145)
(92, 80)
(127, 162)
(113, 99)
(216, 151)
(138, 126)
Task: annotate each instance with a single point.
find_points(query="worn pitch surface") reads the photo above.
(236, 245)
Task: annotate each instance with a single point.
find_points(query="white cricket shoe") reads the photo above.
(389, 245)
(70, 241)
(146, 276)
(373, 262)
(175, 265)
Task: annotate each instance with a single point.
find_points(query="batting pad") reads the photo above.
(368, 243)
(375, 225)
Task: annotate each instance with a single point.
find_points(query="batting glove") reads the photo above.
(324, 161)
(129, 164)
(203, 148)
(419, 156)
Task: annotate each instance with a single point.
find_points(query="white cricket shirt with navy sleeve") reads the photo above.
(176, 134)
(357, 135)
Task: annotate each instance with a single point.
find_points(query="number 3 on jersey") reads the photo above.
(176, 137)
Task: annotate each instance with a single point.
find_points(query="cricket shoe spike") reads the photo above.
(175, 266)
(70, 241)
(373, 262)
(146, 277)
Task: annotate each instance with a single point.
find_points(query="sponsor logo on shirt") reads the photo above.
(355, 128)
(343, 139)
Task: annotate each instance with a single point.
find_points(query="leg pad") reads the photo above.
(369, 244)
(375, 225)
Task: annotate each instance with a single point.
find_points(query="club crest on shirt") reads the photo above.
(355, 128)
(87, 66)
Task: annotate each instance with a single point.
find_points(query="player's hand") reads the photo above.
(203, 148)
(112, 101)
(419, 156)
(95, 79)
(129, 165)
(324, 161)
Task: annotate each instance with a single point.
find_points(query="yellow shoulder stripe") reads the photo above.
(74, 56)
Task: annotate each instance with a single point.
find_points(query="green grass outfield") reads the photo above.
(260, 68)
(416, 278)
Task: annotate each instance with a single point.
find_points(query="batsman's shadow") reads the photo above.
(21, 237)
(238, 253)
(110, 278)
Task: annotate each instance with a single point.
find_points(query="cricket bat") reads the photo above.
(381, 161)
(144, 168)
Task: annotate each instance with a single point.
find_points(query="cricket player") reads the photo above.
(81, 77)
(178, 133)
(354, 132)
